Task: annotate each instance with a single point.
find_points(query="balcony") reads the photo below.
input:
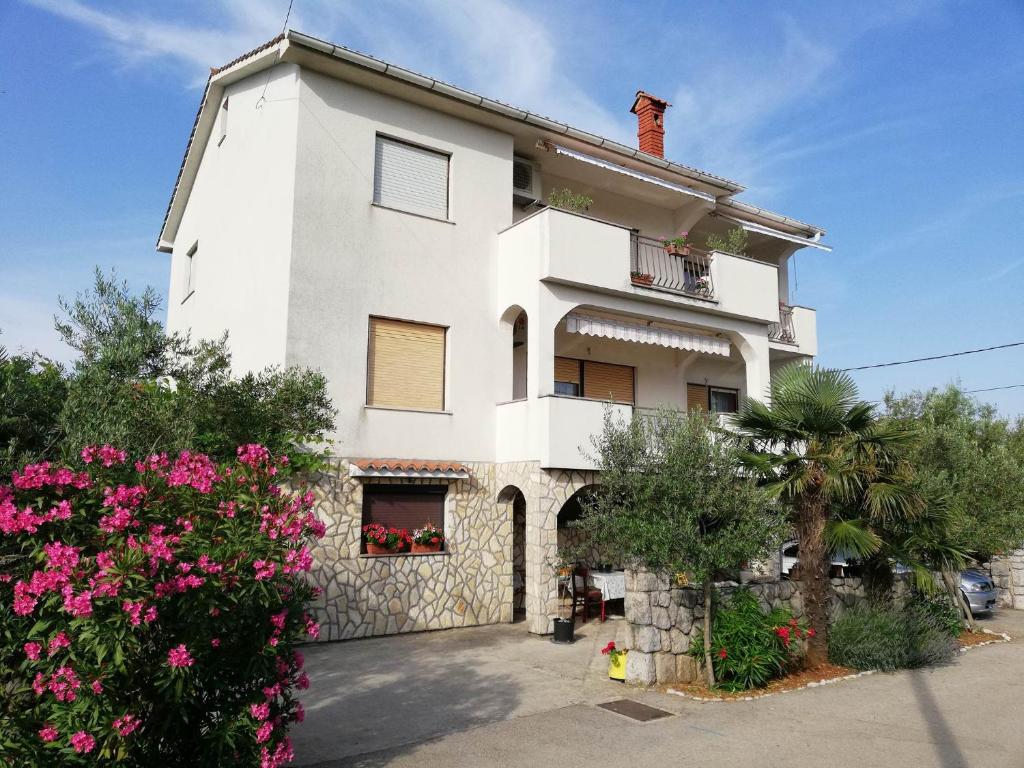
(556, 430)
(796, 330)
(572, 249)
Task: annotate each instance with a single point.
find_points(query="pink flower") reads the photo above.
(83, 742)
(264, 569)
(302, 682)
(60, 640)
(49, 733)
(253, 455)
(215, 642)
(180, 657)
(126, 724)
(263, 732)
(260, 711)
(97, 687)
(32, 651)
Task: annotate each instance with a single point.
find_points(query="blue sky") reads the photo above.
(899, 127)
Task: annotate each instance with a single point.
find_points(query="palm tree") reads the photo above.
(820, 449)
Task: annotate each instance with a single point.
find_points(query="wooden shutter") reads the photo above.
(405, 365)
(567, 369)
(696, 397)
(604, 381)
(410, 178)
(404, 506)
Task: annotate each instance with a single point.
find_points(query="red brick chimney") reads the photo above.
(650, 119)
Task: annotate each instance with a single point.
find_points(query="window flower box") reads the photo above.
(641, 278)
(427, 539)
(385, 541)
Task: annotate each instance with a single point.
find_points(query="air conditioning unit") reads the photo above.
(525, 181)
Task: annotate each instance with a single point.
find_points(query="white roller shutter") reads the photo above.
(411, 178)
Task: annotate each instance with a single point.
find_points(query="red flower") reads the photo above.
(811, 632)
(608, 648)
(783, 632)
(722, 654)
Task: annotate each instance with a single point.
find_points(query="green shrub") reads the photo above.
(941, 608)
(749, 647)
(890, 637)
(577, 202)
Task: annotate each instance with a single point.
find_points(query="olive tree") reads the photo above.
(672, 498)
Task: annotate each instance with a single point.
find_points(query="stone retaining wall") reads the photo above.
(661, 619)
(1008, 575)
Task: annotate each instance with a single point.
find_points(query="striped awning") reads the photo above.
(645, 334)
(440, 470)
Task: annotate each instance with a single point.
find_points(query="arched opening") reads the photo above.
(515, 326)
(570, 537)
(514, 497)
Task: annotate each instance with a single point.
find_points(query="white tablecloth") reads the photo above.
(612, 584)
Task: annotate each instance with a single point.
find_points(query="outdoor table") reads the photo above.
(612, 585)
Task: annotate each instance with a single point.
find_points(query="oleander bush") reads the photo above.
(150, 610)
(889, 637)
(751, 646)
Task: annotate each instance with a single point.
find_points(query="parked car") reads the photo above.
(978, 590)
(791, 559)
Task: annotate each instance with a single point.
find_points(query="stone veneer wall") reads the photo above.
(470, 583)
(1008, 575)
(661, 619)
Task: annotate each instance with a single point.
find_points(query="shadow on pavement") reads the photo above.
(947, 750)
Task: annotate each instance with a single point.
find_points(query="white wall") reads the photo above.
(240, 214)
(352, 260)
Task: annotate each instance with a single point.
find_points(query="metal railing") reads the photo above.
(783, 330)
(688, 273)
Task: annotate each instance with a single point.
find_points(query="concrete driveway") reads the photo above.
(494, 696)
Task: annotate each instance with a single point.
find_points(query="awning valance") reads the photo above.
(750, 226)
(614, 167)
(411, 468)
(645, 334)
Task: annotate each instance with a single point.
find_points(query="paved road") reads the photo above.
(490, 697)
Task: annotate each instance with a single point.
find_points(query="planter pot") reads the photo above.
(642, 279)
(420, 549)
(564, 630)
(678, 250)
(617, 666)
(377, 549)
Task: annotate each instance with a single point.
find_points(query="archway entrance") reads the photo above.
(516, 502)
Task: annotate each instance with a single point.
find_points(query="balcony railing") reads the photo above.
(687, 273)
(783, 330)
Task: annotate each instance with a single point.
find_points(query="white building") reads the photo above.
(338, 212)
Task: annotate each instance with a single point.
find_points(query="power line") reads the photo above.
(935, 357)
(992, 389)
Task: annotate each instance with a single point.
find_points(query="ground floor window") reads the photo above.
(405, 507)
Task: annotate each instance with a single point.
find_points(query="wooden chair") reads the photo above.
(584, 596)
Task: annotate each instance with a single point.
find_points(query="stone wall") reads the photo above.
(471, 582)
(1008, 575)
(662, 618)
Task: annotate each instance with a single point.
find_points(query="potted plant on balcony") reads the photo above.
(703, 285)
(640, 278)
(616, 661)
(677, 246)
(427, 539)
(384, 541)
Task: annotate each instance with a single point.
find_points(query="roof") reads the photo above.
(182, 186)
(408, 468)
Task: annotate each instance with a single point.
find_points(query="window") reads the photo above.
(191, 273)
(723, 400)
(222, 120)
(711, 398)
(411, 178)
(600, 381)
(404, 506)
(567, 376)
(405, 365)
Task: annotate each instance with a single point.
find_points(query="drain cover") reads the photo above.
(634, 710)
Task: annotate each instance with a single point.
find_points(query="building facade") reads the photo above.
(337, 212)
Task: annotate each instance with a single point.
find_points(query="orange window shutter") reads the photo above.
(405, 365)
(605, 381)
(696, 397)
(567, 369)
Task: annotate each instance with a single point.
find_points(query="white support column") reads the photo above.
(754, 349)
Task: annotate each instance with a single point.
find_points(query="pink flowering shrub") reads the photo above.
(150, 609)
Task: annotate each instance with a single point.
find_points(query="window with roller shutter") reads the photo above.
(411, 178)
(405, 507)
(606, 381)
(405, 365)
